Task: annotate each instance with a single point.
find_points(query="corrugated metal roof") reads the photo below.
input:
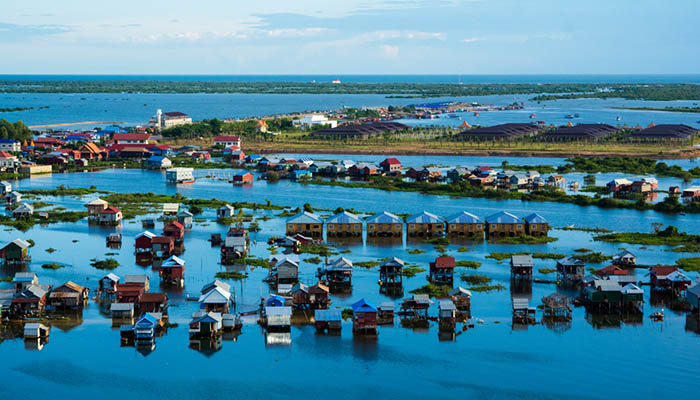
(305, 217)
(535, 218)
(463, 218)
(447, 305)
(460, 291)
(522, 260)
(424, 218)
(121, 307)
(344, 218)
(384, 218)
(363, 305)
(503, 217)
(520, 303)
(387, 306)
(278, 311)
(570, 261)
(215, 296)
(393, 261)
(173, 261)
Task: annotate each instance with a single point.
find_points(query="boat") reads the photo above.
(569, 116)
(533, 116)
(576, 115)
(657, 316)
(476, 114)
(618, 118)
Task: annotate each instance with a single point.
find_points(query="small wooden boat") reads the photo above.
(657, 316)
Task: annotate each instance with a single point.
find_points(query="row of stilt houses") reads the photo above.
(424, 224)
(615, 289)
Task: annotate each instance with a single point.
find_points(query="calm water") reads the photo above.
(401, 362)
(136, 109)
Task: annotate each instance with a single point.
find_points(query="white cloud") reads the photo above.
(389, 51)
(472, 40)
(306, 32)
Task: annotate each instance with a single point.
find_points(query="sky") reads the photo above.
(350, 37)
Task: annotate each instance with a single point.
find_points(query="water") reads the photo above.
(401, 362)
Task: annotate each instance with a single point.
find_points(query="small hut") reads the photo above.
(447, 312)
(385, 313)
(328, 320)
(462, 299)
(521, 267)
(391, 272)
(364, 318)
(442, 271)
(556, 307)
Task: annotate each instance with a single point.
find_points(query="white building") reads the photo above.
(227, 141)
(179, 175)
(10, 145)
(169, 119)
(316, 119)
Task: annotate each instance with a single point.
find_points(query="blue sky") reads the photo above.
(350, 37)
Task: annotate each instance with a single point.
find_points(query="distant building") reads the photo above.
(227, 141)
(10, 145)
(169, 119)
(131, 138)
(316, 119)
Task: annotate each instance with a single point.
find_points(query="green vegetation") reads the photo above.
(666, 109)
(583, 250)
(106, 264)
(433, 290)
(346, 313)
(543, 256)
(255, 262)
(690, 264)
(62, 190)
(628, 165)
(487, 288)
(594, 230)
(14, 130)
(524, 239)
(468, 264)
(6, 279)
(50, 250)
(667, 237)
(313, 260)
(415, 251)
(13, 109)
(235, 275)
(410, 272)
(322, 250)
(54, 217)
(592, 258)
(366, 264)
(475, 279)
(640, 91)
(463, 249)
(52, 265)
(546, 270)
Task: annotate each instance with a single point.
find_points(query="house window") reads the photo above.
(533, 226)
(331, 226)
(356, 226)
(371, 226)
(493, 226)
(397, 226)
(453, 226)
(478, 226)
(316, 227)
(519, 226)
(412, 226)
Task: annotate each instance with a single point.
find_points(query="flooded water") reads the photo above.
(588, 358)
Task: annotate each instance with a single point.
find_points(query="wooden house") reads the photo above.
(391, 272)
(68, 296)
(425, 224)
(338, 273)
(13, 198)
(385, 313)
(457, 174)
(23, 211)
(35, 330)
(153, 303)
(344, 224)
(430, 174)
(243, 178)
(305, 223)
(5, 187)
(413, 173)
(285, 271)
(29, 302)
(139, 279)
(447, 314)
(521, 267)
(556, 307)
(536, 225)
(391, 166)
(162, 246)
(692, 296)
(175, 230)
(216, 299)
(172, 271)
(462, 299)
(669, 278)
(318, 296)
(503, 224)
(170, 209)
(129, 292)
(108, 284)
(143, 243)
(632, 297)
(465, 224)
(624, 258)
(523, 314)
(442, 271)
(570, 269)
(224, 212)
(278, 319)
(364, 318)
(235, 245)
(185, 218)
(301, 299)
(16, 252)
(328, 320)
(384, 224)
(205, 325)
(22, 280)
(109, 216)
(603, 294)
(94, 208)
(145, 328)
(416, 306)
(555, 180)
